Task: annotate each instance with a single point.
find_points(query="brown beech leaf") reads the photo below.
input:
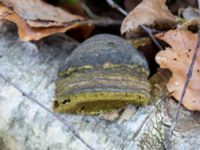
(27, 33)
(177, 59)
(40, 14)
(150, 13)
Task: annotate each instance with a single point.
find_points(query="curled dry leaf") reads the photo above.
(40, 14)
(150, 13)
(177, 58)
(36, 19)
(27, 33)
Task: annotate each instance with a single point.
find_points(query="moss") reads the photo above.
(180, 20)
(139, 42)
(159, 84)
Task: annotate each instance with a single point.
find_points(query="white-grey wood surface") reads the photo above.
(26, 126)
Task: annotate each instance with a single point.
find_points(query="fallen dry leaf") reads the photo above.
(85, 30)
(27, 33)
(40, 14)
(177, 58)
(150, 13)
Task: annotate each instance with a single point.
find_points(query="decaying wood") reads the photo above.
(24, 125)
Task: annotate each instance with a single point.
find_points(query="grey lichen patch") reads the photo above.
(153, 135)
(154, 139)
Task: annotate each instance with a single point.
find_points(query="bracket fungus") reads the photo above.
(102, 74)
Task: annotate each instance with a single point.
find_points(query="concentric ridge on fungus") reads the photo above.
(102, 74)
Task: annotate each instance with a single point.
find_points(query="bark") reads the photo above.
(24, 125)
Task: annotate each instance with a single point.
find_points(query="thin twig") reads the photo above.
(114, 5)
(105, 22)
(149, 32)
(100, 22)
(56, 116)
(146, 29)
(88, 11)
(97, 20)
(198, 1)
